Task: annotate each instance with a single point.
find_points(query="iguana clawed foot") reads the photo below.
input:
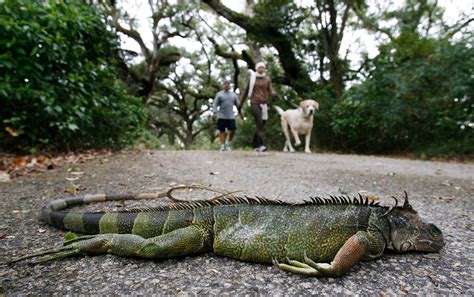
(308, 268)
(49, 255)
(296, 267)
(73, 246)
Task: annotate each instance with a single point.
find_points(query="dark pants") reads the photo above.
(259, 138)
(228, 124)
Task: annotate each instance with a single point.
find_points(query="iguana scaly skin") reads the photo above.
(322, 237)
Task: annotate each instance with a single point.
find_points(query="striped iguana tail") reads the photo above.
(55, 213)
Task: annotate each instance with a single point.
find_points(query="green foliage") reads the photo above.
(58, 86)
(323, 135)
(419, 98)
(273, 15)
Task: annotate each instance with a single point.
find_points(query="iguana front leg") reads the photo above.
(180, 242)
(360, 245)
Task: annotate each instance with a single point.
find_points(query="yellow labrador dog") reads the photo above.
(300, 122)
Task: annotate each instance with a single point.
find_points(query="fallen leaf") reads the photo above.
(41, 159)
(40, 168)
(41, 230)
(77, 173)
(446, 183)
(391, 174)
(11, 131)
(32, 163)
(71, 179)
(373, 197)
(4, 177)
(73, 169)
(71, 190)
(403, 289)
(457, 264)
(17, 166)
(19, 162)
(382, 294)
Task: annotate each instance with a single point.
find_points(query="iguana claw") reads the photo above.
(52, 254)
(297, 267)
(74, 246)
(323, 268)
(308, 268)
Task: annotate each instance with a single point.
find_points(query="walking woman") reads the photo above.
(259, 89)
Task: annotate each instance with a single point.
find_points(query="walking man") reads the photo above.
(224, 108)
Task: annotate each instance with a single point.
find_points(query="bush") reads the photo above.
(418, 99)
(58, 86)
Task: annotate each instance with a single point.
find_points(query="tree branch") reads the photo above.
(371, 25)
(129, 32)
(295, 74)
(460, 27)
(238, 18)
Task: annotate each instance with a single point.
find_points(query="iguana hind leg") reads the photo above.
(360, 245)
(180, 242)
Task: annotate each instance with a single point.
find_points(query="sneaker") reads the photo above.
(261, 149)
(223, 149)
(228, 147)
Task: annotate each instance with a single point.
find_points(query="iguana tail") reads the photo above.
(55, 213)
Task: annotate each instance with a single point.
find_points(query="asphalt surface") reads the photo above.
(442, 193)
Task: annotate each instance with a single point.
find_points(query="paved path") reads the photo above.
(441, 192)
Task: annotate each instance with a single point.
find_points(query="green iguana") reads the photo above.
(321, 237)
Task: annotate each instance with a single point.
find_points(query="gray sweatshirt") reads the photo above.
(225, 100)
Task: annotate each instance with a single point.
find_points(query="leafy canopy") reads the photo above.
(58, 86)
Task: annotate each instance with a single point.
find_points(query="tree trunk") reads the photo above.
(295, 74)
(188, 140)
(335, 76)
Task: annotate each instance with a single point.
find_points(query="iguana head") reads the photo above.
(410, 233)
